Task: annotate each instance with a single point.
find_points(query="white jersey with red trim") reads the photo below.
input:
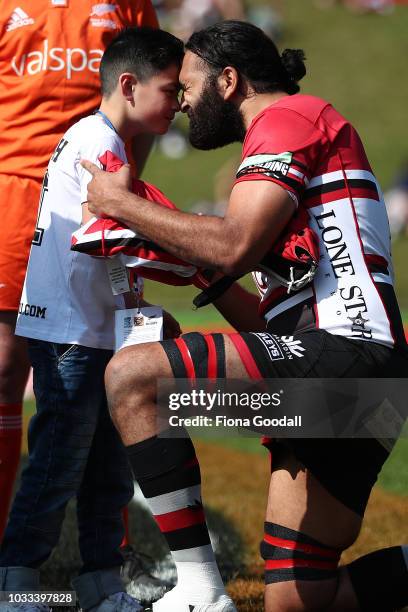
(303, 144)
(67, 297)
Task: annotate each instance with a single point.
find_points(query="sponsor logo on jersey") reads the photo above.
(104, 23)
(56, 59)
(18, 19)
(281, 347)
(31, 310)
(295, 346)
(96, 19)
(358, 325)
(270, 164)
(271, 344)
(342, 266)
(102, 9)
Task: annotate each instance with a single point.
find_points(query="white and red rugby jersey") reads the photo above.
(303, 144)
(67, 297)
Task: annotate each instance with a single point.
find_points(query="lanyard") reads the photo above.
(106, 120)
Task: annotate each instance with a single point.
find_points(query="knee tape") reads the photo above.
(196, 355)
(291, 555)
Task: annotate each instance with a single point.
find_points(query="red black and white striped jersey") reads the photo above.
(303, 144)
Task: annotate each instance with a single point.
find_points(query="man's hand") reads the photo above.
(171, 327)
(106, 189)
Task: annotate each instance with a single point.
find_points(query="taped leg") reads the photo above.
(291, 555)
(307, 528)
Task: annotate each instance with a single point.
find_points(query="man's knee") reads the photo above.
(125, 378)
(301, 574)
(295, 596)
(117, 381)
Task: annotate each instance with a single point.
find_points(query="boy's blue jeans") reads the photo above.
(74, 450)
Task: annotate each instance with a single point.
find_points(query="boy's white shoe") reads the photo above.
(176, 601)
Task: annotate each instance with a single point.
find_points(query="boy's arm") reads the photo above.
(141, 146)
(86, 215)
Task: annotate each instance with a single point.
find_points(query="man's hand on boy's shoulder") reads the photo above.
(106, 189)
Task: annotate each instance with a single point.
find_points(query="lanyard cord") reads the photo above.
(106, 120)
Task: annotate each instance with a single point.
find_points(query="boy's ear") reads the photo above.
(127, 83)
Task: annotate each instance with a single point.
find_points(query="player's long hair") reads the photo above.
(252, 53)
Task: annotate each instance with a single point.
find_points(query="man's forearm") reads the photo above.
(202, 240)
(240, 308)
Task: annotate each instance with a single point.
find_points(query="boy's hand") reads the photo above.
(171, 327)
(106, 189)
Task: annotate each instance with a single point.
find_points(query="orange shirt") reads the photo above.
(50, 51)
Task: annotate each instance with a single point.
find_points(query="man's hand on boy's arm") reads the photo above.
(256, 215)
(105, 195)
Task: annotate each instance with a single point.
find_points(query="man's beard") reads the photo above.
(214, 122)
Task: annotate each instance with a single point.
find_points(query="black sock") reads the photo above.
(380, 579)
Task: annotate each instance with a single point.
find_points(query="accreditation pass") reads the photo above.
(138, 325)
(50, 598)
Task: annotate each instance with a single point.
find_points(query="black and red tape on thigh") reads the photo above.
(196, 355)
(291, 555)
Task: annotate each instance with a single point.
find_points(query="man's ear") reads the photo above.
(228, 82)
(127, 84)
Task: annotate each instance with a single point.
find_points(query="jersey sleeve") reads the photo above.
(145, 14)
(92, 151)
(283, 147)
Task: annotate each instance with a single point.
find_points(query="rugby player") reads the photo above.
(68, 318)
(298, 152)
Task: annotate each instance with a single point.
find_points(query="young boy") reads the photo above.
(67, 313)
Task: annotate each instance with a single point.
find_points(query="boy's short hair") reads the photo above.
(142, 51)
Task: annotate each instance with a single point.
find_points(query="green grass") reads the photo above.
(393, 477)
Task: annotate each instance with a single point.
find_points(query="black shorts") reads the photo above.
(347, 468)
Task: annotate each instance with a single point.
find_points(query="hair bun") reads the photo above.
(293, 61)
